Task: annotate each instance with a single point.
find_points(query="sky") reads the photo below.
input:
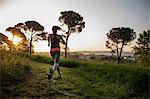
(100, 17)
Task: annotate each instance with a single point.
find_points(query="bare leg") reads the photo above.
(59, 72)
(55, 66)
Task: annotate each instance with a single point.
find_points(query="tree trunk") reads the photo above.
(118, 59)
(121, 51)
(117, 54)
(66, 46)
(30, 50)
(112, 54)
(30, 47)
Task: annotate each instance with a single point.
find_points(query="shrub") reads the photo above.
(144, 60)
(42, 59)
(63, 62)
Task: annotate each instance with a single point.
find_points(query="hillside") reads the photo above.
(24, 76)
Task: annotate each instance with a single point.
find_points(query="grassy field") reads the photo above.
(23, 77)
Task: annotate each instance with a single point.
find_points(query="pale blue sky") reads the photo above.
(99, 16)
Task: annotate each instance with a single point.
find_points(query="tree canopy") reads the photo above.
(142, 49)
(143, 44)
(33, 25)
(74, 23)
(16, 32)
(119, 37)
(41, 36)
(4, 38)
(73, 20)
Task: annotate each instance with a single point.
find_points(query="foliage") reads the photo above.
(110, 45)
(144, 60)
(16, 32)
(42, 59)
(33, 27)
(143, 48)
(74, 23)
(41, 36)
(23, 46)
(73, 20)
(119, 37)
(143, 44)
(4, 39)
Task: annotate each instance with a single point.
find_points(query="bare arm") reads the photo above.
(49, 40)
(62, 40)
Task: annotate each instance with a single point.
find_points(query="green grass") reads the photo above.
(14, 68)
(80, 79)
(63, 62)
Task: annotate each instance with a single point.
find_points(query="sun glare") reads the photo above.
(16, 40)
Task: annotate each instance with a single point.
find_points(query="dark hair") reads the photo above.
(55, 28)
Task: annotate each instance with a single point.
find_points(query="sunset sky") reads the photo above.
(100, 16)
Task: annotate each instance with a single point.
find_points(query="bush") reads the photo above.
(63, 62)
(144, 60)
(42, 59)
(71, 63)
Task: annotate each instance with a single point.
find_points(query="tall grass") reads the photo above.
(14, 68)
(119, 80)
